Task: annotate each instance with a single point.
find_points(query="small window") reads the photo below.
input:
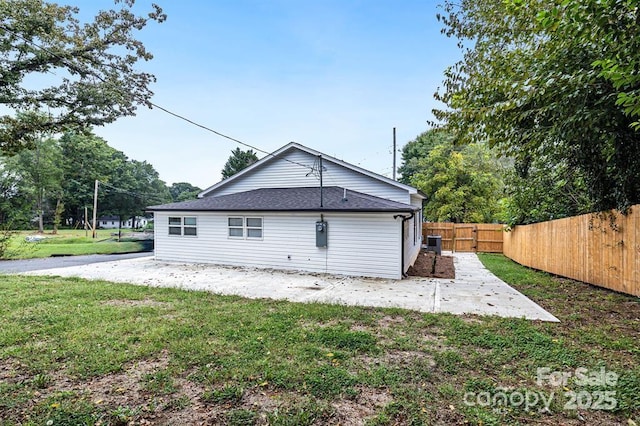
(254, 227)
(183, 226)
(241, 228)
(175, 226)
(190, 226)
(236, 228)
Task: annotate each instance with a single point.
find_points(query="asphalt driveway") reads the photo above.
(16, 266)
(475, 290)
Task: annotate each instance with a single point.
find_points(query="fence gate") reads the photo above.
(467, 237)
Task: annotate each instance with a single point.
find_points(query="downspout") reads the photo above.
(404, 219)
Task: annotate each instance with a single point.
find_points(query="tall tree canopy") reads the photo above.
(81, 74)
(183, 191)
(462, 183)
(556, 81)
(58, 176)
(416, 150)
(238, 160)
(41, 171)
(127, 186)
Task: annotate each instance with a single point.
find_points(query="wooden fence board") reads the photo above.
(590, 248)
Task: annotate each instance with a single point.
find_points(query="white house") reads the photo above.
(297, 209)
(113, 222)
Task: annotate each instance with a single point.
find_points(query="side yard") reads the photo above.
(29, 245)
(92, 352)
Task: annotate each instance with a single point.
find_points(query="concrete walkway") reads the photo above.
(474, 291)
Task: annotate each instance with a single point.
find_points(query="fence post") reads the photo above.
(474, 233)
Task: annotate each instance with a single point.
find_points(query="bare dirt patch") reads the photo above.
(430, 265)
(398, 358)
(356, 412)
(135, 303)
(12, 371)
(389, 321)
(117, 389)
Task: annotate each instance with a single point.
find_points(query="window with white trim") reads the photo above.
(236, 227)
(254, 227)
(183, 225)
(249, 228)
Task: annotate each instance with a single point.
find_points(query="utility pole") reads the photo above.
(95, 208)
(394, 153)
(86, 219)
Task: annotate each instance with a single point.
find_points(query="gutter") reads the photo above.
(404, 219)
(312, 210)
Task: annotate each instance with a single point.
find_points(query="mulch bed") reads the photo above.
(430, 265)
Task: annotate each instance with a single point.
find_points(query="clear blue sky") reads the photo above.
(334, 75)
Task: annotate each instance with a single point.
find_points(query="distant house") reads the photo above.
(275, 214)
(113, 222)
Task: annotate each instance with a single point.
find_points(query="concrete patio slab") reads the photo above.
(474, 290)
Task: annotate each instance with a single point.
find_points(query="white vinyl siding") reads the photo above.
(412, 240)
(358, 244)
(280, 173)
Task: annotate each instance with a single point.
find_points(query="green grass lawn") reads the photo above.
(68, 242)
(92, 352)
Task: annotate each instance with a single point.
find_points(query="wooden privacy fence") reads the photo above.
(467, 237)
(590, 248)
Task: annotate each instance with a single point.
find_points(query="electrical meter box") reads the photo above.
(321, 234)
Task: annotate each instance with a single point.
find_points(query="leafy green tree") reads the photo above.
(87, 158)
(612, 24)
(416, 150)
(462, 183)
(133, 186)
(126, 186)
(238, 160)
(16, 204)
(535, 91)
(183, 191)
(41, 169)
(542, 190)
(94, 61)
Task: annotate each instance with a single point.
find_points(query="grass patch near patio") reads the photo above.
(92, 352)
(68, 243)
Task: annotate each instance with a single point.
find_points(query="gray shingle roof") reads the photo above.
(290, 199)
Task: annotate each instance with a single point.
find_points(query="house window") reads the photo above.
(254, 227)
(183, 226)
(245, 227)
(236, 227)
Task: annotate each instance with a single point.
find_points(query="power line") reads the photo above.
(179, 116)
(140, 195)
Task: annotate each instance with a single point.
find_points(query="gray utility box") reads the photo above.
(434, 243)
(321, 233)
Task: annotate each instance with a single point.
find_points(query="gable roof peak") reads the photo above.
(295, 145)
